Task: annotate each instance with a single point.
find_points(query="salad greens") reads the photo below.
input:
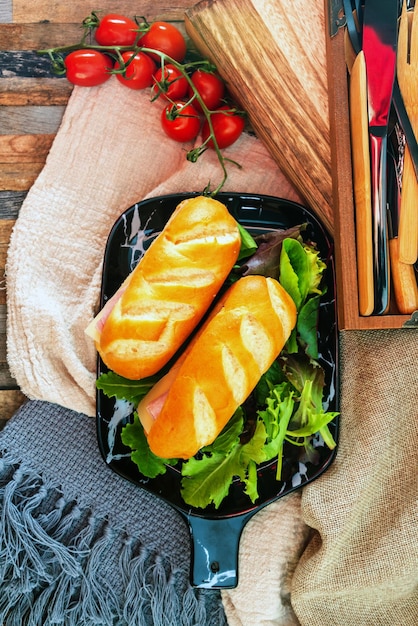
(285, 408)
(148, 463)
(300, 274)
(115, 386)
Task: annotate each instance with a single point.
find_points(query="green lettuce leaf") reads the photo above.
(301, 272)
(248, 243)
(208, 478)
(294, 269)
(308, 378)
(115, 386)
(252, 454)
(307, 327)
(148, 463)
(316, 269)
(276, 417)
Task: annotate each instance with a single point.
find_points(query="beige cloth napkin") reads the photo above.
(358, 564)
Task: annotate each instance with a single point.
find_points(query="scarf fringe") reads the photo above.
(60, 565)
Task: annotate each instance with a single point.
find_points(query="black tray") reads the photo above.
(215, 533)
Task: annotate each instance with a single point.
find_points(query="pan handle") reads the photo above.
(215, 547)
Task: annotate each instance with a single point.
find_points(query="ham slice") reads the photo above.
(152, 404)
(95, 327)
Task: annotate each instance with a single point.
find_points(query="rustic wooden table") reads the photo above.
(32, 102)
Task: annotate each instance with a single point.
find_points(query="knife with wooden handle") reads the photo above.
(362, 186)
(380, 30)
(408, 219)
(407, 78)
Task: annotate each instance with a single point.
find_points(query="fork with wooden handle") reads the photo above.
(407, 73)
(404, 282)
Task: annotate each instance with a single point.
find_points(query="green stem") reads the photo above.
(327, 437)
(116, 51)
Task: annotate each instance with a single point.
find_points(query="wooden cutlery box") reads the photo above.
(342, 188)
(284, 62)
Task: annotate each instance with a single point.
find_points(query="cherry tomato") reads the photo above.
(139, 71)
(116, 30)
(165, 38)
(180, 121)
(211, 89)
(87, 67)
(227, 127)
(173, 84)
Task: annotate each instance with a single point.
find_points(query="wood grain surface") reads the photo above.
(24, 12)
(32, 103)
(272, 54)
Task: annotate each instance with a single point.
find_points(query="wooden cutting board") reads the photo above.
(272, 55)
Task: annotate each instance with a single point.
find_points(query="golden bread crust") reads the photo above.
(222, 365)
(171, 288)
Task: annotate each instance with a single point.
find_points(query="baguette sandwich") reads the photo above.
(220, 367)
(161, 302)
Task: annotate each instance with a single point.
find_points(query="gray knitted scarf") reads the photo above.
(79, 545)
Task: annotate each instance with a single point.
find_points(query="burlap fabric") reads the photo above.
(348, 556)
(361, 564)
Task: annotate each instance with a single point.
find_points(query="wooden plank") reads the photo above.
(10, 203)
(38, 35)
(30, 120)
(25, 148)
(19, 176)
(42, 35)
(6, 227)
(34, 91)
(77, 10)
(285, 93)
(24, 63)
(10, 401)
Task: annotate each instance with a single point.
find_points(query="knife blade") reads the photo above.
(379, 47)
(353, 11)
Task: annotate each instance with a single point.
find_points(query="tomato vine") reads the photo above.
(124, 62)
